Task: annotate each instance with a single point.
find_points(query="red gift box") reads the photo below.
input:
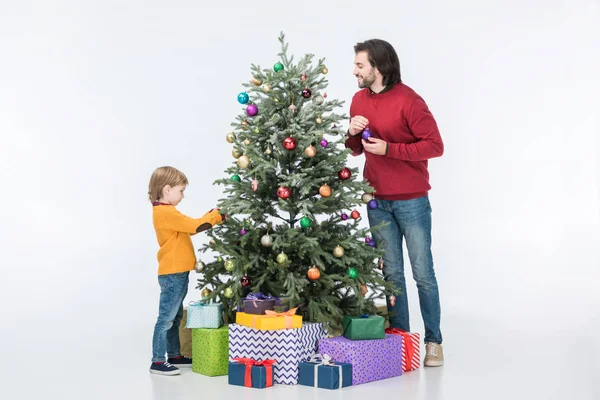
(411, 348)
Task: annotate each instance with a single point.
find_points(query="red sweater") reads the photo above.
(401, 118)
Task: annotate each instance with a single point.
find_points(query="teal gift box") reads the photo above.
(204, 315)
(323, 373)
(364, 327)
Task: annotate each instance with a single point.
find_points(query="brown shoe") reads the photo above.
(434, 356)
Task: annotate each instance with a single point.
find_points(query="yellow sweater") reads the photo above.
(173, 232)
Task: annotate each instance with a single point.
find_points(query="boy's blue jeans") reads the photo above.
(409, 220)
(173, 289)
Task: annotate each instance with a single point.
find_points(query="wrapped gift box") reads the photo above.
(271, 321)
(364, 327)
(371, 360)
(258, 307)
(323, 373)
(210, 348)
(250, 373)
(411, 351)
(288, 347)
(200, 315)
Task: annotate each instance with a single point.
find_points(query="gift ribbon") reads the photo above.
(324, 360)
(407, 343)
(249, 363)
(287, 316)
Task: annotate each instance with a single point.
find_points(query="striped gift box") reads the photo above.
(411, 350)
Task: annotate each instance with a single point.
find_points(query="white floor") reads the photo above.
(484, 360)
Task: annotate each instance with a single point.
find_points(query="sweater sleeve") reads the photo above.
(354, 143)
(424, 128)
(176, 221)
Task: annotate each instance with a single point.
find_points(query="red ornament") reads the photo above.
(355, 214)
(289, 143)
(244, 280)
(344, 174)
(303, 77)
(284, 192)
(306, 93)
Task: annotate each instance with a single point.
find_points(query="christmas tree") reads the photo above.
(293, 227)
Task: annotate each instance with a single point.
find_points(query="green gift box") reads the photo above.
(364, 327)
(210, 351)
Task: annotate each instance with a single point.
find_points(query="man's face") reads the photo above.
(364, 72)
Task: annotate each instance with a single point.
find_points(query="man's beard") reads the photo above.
(367, 81)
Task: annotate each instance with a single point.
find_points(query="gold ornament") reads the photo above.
(245, 125)
(212, 243)
(338, 251)
(247, 142)
(268, 150)
(243, 162)
(200, 266)
(236, 153)
(276, 100)
(205, 292)
(319, 120)
(367, 197)
(325, 70)
(310, 151)
(230, 137)
(267, 88)
(256, 82)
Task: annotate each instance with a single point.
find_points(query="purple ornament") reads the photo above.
(344, 216)
(367, 134)
(372, 243)
(324, 142)
(243, 232)
(367, 240)
(372, 204)
(252, 110)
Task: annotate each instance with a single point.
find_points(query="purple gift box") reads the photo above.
(372, 360)
(257, 303)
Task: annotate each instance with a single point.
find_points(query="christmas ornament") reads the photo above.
(366, 135)
(245, 281)
(305, 222)
(229, 265)
(205, 292)
(366, 198)
(325, 190)
(247, 142)
(367, 240)
(236, 153)
(256, 130)
(230, 137)
(325, 70)
(200, 266)
(355, 214)
(303, 77)
(256, 82)
(228, 293)
(289, 143)
(236, 178)
(266, 88)
(278, 67)
(310, 151)
(381, 263)
(372, 204)
(219, 259)
(313, 273)
(338, 251)
(352, 273)
(372, 243)
(266, 240)
(212, 243)
(292, 108)
(364, 289)
(268, 150)
(324, 142)
(252, 110)
(344, 174)
(245, 125)
(243, 162)
(282, 258)
(243, 98)
(284, 192)
(392, 301)
(344, 216)
(254, 184)
(319, 120)
(242, 232)
(325, 95)
(318, 100)
(306, 93)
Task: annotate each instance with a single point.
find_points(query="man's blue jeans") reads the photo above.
(409, 220)
(173, 289)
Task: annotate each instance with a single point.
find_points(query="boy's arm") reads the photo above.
(176, 221)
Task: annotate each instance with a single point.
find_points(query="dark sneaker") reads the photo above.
(180, 361)
(164, 368)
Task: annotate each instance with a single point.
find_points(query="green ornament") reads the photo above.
(282, 258)
(352, 273)
(228, 293)
(278, 67)
(219, 259)
(305, 222)
(236, 178)
(229, 265)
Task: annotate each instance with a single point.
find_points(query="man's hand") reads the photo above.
(375, 146)
(357, 124)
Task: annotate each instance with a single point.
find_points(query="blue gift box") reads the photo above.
(329, 374)
(258, 375)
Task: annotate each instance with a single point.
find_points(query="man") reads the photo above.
(404, 136)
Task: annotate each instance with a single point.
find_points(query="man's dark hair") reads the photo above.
(383, 57)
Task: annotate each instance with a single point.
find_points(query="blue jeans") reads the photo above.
(409, 220)
(173, 289)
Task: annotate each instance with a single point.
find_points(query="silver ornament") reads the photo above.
(318, 99)
(367, 197)
(200, 266)
(266, 240)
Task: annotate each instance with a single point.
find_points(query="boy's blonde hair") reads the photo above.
(162, 177)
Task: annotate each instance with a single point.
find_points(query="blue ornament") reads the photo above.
(243, 98)
(372, 243)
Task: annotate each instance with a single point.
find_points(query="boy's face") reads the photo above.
(173, 194)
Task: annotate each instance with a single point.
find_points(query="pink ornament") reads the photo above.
(324, 142)
(392, 301)
(254, 185)
(252, 110)
(243, 232)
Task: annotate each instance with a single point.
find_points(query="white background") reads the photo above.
(95, 95)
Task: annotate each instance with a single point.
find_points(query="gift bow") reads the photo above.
(407, 344)
(249, 363)
(287, 316)
(324, 359)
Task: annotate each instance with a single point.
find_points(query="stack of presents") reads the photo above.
(268, 344)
